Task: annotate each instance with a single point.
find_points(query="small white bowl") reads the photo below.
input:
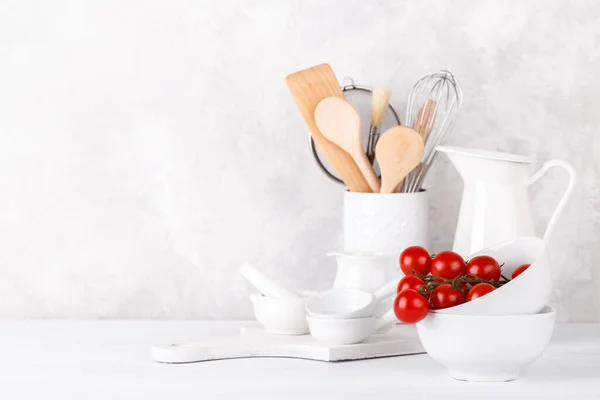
(347, 331)
(281, 316)
(341, 303)
(490, 348)
(527, 294)
(341, 331)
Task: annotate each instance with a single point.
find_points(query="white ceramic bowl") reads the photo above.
(486, 348)
(281, 316)
(527, 294)
(341, 331)
(347, 331)
(341, 303)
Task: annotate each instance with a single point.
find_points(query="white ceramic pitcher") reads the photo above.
(495, 203)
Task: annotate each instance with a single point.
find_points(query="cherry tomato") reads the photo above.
(447, 264)
(465, 287)
(484, 267)
(479, 290)
(410, 307)
(445, 296)
(415, 260)
(520, 270)
(409, 282)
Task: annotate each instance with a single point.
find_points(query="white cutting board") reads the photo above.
(253, 341)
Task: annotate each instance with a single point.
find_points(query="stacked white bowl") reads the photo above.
(492, 338)
(348, 316)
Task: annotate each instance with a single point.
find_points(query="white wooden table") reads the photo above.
(111, 360)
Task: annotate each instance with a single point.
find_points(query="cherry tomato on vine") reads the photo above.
(410, 307)
(481, 289)
(445, 296)
(465, 287)
(415, 260)
(447, 264)
(484, 267)
(520, 270)
(410, 282)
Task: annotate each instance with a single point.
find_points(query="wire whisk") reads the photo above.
(432, 107)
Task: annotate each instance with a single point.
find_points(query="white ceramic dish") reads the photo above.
(348, 303)
(347, 331)
(341, 303)
(281, 316)
(486, 348)
(369, 271)
(528, 294)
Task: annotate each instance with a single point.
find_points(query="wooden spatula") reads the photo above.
(308, 88)
(339, 122)
(398, 151)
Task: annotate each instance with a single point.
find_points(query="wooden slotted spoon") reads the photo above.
(340, 123)
(398, 151)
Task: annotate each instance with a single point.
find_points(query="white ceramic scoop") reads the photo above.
(343, 303)
(266, 285)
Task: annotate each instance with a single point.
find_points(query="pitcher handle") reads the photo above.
(566, 196)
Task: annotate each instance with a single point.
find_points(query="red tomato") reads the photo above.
(445, 296)
(465, 287)
(520, 270)
(479, 290)
(447, 264)
(410, 307)
(409, 282)
(415, 260)
(485, 267)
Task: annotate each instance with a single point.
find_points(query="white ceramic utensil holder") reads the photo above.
(384, 223)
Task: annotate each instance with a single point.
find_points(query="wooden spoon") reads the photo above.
(308, 88)
(423, 126)
(340, 123)
(398, 151)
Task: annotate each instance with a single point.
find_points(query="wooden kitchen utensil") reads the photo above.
(423, 125)
(339, 122)
(380, 101)
(398, 151)
(308, 88)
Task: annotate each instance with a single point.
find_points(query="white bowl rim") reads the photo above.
(318, 296)
(448, 310)
(546, 311)
(339, 320)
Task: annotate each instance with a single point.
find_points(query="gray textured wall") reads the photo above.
(148, 148)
